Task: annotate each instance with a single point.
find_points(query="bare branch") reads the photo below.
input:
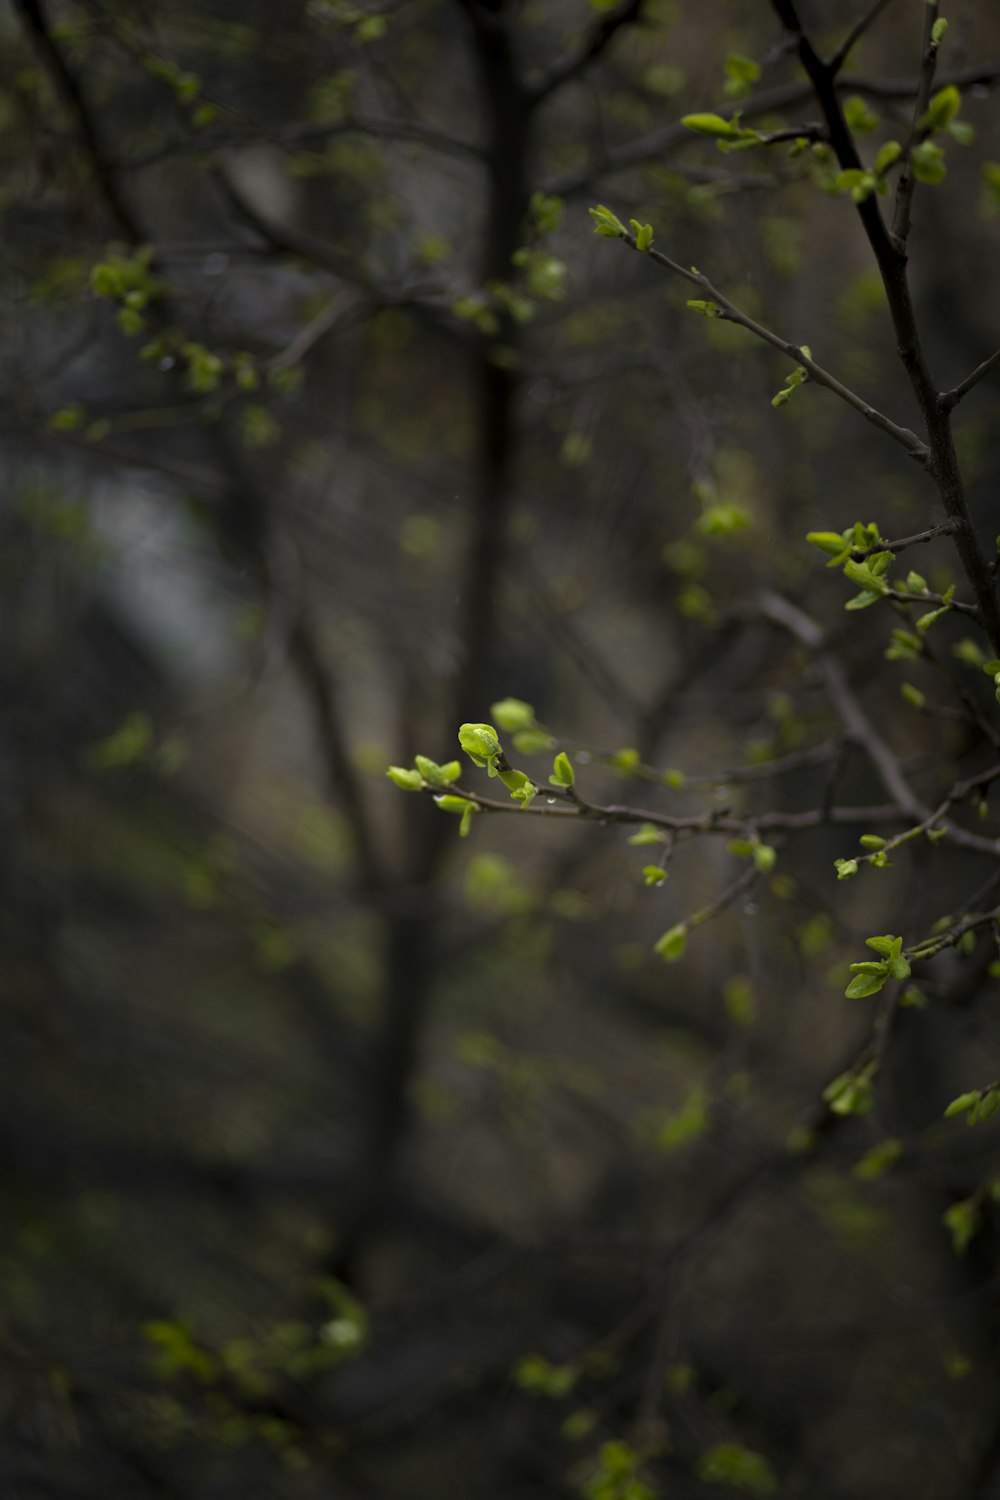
(862, 731)
(855, 34)
(576, 62)
(390, 132)
(951, 398)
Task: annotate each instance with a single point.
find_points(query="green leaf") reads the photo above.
(846, 868)
(452, 804)
(963, 1221)
(735, 1467)
(643, 234)
(865, 984)
(827, 541)
(938, 30)
(876, 1162)
(407, 781)
(860, 119)
(707, 309)
(480, 743)
(512, 714)
(871, 841)
(887, 154)
(672, 944)
(654, 874)
(943, 108)
(864, 577)
(764, 857)
(562, 771)
(687, 1123)
(912, 695)
(606, 223)
(963, 1103)
(647, 834)
(711, 125)
(888, 946)
(928, 163)
(532, 741)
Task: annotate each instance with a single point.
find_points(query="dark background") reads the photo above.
(317, 1121)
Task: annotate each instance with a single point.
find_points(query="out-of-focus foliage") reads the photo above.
(344, 1155)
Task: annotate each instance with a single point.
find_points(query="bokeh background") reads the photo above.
(341, 1156)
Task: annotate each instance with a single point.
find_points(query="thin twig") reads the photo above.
(855, 34)
(905, 188)
(951, 398)
(580, 58)
(734, 314)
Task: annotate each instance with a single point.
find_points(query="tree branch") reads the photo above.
(950, 399)
(577, 61)
(901, 435)
(855, 34)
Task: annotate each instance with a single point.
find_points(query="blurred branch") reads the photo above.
(385, 131)
(857, 31)
(68, 87)
(576, 62)
(659, 143)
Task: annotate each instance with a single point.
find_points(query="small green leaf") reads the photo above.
(407, 781)
(711, 125)
(846, 868)
(654, 874)
(864, 984)
(876, 1162)
(672, 944)
(451, 804)
(480, 743)
(827, 541)
(606, 223)
(513, 715)
(562, 771)
(647, 834)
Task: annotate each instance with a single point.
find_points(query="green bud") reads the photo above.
(606, 223)
(562, 771)
(480, 742)
(672, 944)
(407, 781)
(512, 715)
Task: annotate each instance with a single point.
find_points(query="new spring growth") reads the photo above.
(481, 744)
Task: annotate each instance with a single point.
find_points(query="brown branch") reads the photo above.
(891, 259)
(33, 16)
(734, 314)
(857, 31)
(579, 59)
(658, 143)
(906, 187)
(951, 398)
(391, 132)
